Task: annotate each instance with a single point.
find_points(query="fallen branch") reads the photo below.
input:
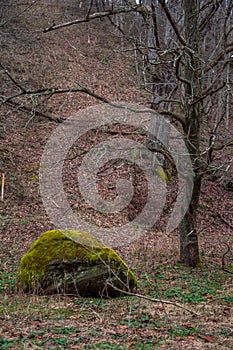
(81, 89)
(53, 91)
(154, 300)
(38, 113)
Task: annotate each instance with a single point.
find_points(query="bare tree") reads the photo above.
(185, 51)
(189, 63)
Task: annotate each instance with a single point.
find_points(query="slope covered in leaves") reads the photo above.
(91, 55)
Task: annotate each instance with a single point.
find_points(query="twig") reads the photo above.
(12, 78)
(38, 113)
(154, 300)
(210, 14)
(209, 92)
(18, 14)
(228, 49)
(223, 220)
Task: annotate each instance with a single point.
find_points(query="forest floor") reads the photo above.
(198, 314)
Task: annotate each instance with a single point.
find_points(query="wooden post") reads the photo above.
(2, 187)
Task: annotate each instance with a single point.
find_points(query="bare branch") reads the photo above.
(154, 300)
(224, 221)
(94, 16)
(209, 92)
(218, 58)
(18, 14)
(220, 147)
(38, 113)
(89, 10)
(210, 15)
(172, 22)
(80, 89)
(115, 25)
(174, 115)
(12, 79)
(53, 91)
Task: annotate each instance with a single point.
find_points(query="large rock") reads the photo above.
(73, 262)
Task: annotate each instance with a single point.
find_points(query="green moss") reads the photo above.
(67, 245)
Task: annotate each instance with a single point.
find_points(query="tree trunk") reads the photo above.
(189, 249)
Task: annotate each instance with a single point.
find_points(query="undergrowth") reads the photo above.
(129, 322)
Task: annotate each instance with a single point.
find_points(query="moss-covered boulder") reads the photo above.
(73, 262)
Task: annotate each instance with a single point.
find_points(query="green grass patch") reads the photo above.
(105, 345)
(6, 344)
(182, 331)
(7, 281)
(65, 330)
(185, 285)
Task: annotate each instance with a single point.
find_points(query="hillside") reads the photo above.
(90, 55)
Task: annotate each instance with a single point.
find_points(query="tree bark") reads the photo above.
(189, 248)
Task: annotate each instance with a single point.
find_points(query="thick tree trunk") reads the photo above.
(189, 249)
